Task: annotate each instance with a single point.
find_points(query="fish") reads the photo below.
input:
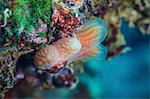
(85, 43)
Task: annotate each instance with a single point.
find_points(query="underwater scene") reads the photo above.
(74, 49)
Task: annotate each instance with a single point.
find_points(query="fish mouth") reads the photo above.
(56, 68)
(52, 69)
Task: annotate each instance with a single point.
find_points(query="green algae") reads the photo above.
(27, 12)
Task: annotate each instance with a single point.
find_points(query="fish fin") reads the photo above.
(97, 53)
(90, 37)
(102, 53)
(92, 33)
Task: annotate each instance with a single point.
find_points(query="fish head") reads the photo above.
(45, 58)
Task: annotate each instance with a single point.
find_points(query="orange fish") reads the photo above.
(85, 43)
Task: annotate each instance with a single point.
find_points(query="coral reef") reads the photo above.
(138, 9)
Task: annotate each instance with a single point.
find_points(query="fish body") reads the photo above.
(53, 57)
(86, 43)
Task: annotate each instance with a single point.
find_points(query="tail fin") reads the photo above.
(92, 33)
(102, 53)
(90, 36)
